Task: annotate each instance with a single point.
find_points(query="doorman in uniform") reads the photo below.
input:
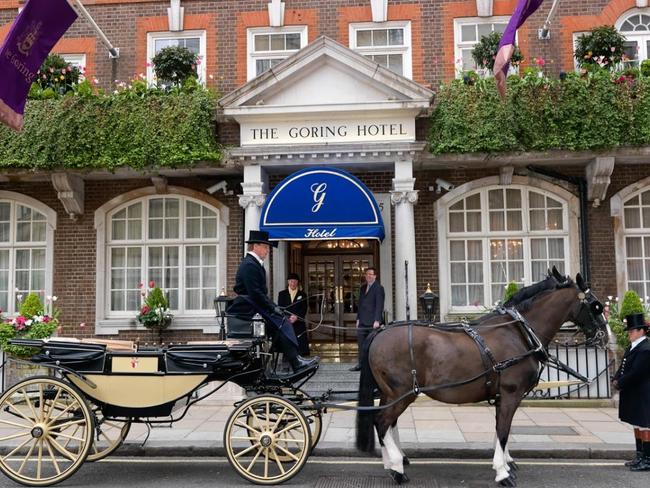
(294, 301)
(371, 309)
(253, 297)
(633, 381)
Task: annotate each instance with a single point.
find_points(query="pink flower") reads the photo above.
(151, 284)
(63, 70)
(140, 285)
(613, 48)
(144, 310)
(541, 62)
(46, 319)
(82, 324)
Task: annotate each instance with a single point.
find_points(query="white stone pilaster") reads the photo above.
(252, 200)
(484, 8)
(404, 197)
(379, 10)
(276, 13)
(175, 15)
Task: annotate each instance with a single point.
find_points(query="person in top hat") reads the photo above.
(633, 381)
(253, 297)
(294, 301)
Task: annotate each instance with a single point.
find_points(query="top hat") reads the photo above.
(635, 321)
(260, 237)
(293, 276)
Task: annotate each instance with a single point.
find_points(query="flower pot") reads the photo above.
(15, 371)
(484, 7)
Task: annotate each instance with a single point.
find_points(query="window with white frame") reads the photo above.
(636, 225)
(468, 33)
(498, 235)
(193, 40)
(268, 46)
(635, 26)
(78, 60)
(387, 44)
(25, 252)
(173, 241)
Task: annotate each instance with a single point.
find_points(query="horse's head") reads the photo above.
(587, 314)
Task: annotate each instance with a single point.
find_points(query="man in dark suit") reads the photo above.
(294, 301)
(370, 310)
(253, 297)
(633, 381)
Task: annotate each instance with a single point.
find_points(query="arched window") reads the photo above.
(636, 225)
(178, 242)
(635, 26)
(491, 235)
(26, 242)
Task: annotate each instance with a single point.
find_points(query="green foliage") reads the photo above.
(156, 299)
(136, 126)
(603, 47)
(154, 313)
(173, 65)
(645, 67)
(57, 75)
(617, 312)
(31, 306)
(486, 50)
(511, 289)
(599, 110)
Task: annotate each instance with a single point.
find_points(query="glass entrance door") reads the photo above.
(332, 284)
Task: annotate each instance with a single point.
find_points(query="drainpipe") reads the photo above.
(581, 185)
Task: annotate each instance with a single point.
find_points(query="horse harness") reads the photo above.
(493, 368)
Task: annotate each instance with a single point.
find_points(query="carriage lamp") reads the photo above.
(429, 301)
(220, 305)
(258, 326)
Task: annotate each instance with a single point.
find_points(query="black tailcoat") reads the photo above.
(251, 282)
(297, 307)
(633, 379)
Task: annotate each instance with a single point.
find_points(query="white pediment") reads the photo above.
(326, 79)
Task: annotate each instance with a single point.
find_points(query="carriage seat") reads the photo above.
(238, 328)
(112, 345)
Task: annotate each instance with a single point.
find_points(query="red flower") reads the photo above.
(46, 319)
(144, 310)
(151, 284)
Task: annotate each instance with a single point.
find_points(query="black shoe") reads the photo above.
(643, 465)
(638, 458)
(356, 368)
(299, 363)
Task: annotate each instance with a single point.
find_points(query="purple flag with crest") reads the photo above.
(523, 10)
(36, 30)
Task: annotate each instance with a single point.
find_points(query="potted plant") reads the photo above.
(616, 312)
(602, 47)
(174, 65)
(154, 313)
(485, 52)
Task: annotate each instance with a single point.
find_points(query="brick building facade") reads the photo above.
(499, 216)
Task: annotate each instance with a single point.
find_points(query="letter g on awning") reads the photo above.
(321, 203)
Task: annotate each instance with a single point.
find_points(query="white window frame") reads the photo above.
(406, 50)
(78, 60)
(642, 38)
(152, 37)
(441, 208)
(576, 35)
(458, 56)
(252, 56)
(50, 215)
(109, 322)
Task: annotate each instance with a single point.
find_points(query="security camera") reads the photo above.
(443, 184)
(222, 185)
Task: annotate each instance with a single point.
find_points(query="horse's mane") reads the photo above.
(524, 298)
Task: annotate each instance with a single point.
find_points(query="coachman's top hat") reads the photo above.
(293, 276)
(260, 237)
(635, 321)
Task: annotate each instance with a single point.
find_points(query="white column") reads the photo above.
(252, 200)
(404, 197)
(279, 269)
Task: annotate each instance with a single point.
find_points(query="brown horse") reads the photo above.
(445, 361)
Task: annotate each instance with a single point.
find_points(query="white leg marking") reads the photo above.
(394, 455)
(507, 455)
(499, 463)
(397, 441)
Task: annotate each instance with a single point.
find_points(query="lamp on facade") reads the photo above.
(220, 306)
(429, 301)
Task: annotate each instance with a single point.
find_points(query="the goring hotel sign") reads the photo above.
(327, 131)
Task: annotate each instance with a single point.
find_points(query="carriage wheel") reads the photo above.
(314, 417)
(46, 430)
(274, 447)
(108, 434)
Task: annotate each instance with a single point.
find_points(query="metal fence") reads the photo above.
(592, 362)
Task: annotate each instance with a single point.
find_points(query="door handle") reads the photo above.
(340, 288)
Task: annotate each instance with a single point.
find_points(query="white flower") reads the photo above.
(54, 298)
(610, 298)
(28, 322)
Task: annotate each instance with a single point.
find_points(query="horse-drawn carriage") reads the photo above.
(50, 425)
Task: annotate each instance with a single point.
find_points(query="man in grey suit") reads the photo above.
(371, 309)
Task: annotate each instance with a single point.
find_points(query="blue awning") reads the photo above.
(321, 203)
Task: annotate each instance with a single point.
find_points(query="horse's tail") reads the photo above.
(367, 386)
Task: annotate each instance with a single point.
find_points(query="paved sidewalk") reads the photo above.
(426, 429)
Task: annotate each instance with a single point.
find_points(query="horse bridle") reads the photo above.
(589, 312)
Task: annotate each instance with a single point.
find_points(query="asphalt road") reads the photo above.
(351, 473)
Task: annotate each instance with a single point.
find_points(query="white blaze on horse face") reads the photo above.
(391, 454)
(499, 463)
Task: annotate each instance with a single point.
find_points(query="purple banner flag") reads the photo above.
(523, 10)
(36, 30)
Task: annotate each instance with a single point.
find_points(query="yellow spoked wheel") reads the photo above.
(46, 430)
(272, 447)
(314, 418)
(107, 436)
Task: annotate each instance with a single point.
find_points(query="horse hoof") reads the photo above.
(398, 478)
(508, 482)
(513, 466)
(406, 461)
